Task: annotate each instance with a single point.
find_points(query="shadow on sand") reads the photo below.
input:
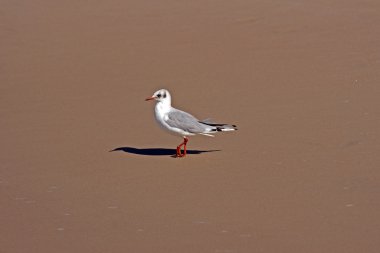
(158, 151)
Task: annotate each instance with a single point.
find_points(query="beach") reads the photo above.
(299, 79)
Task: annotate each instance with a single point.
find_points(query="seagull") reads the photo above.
(181, 123)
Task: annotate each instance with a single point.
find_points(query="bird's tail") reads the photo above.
(217, 127)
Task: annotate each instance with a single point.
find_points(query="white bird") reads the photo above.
(181, 123)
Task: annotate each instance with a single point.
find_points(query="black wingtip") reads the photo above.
(212, 124)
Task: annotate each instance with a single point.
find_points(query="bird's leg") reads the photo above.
(185, 140)
(184, 148)
(179, 151)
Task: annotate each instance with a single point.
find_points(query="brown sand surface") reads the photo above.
(300, 79)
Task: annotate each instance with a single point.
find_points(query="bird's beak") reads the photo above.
(149, 98)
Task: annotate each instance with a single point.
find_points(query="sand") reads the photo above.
(299, 78)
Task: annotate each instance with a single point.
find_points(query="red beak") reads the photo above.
(149, 98)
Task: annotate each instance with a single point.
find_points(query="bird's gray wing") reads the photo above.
(184, 121)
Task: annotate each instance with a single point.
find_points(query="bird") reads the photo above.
(181, 123)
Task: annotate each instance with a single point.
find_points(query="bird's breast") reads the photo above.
(161, 114)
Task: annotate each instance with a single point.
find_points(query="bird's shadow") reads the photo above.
(158, 151)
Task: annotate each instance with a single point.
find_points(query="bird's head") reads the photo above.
(160, 96)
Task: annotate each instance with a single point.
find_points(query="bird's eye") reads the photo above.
(164, 95)
(158, 95)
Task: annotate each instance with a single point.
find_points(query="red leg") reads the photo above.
(185, 140)
(179, 151)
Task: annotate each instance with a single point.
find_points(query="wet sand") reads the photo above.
(300, 79)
